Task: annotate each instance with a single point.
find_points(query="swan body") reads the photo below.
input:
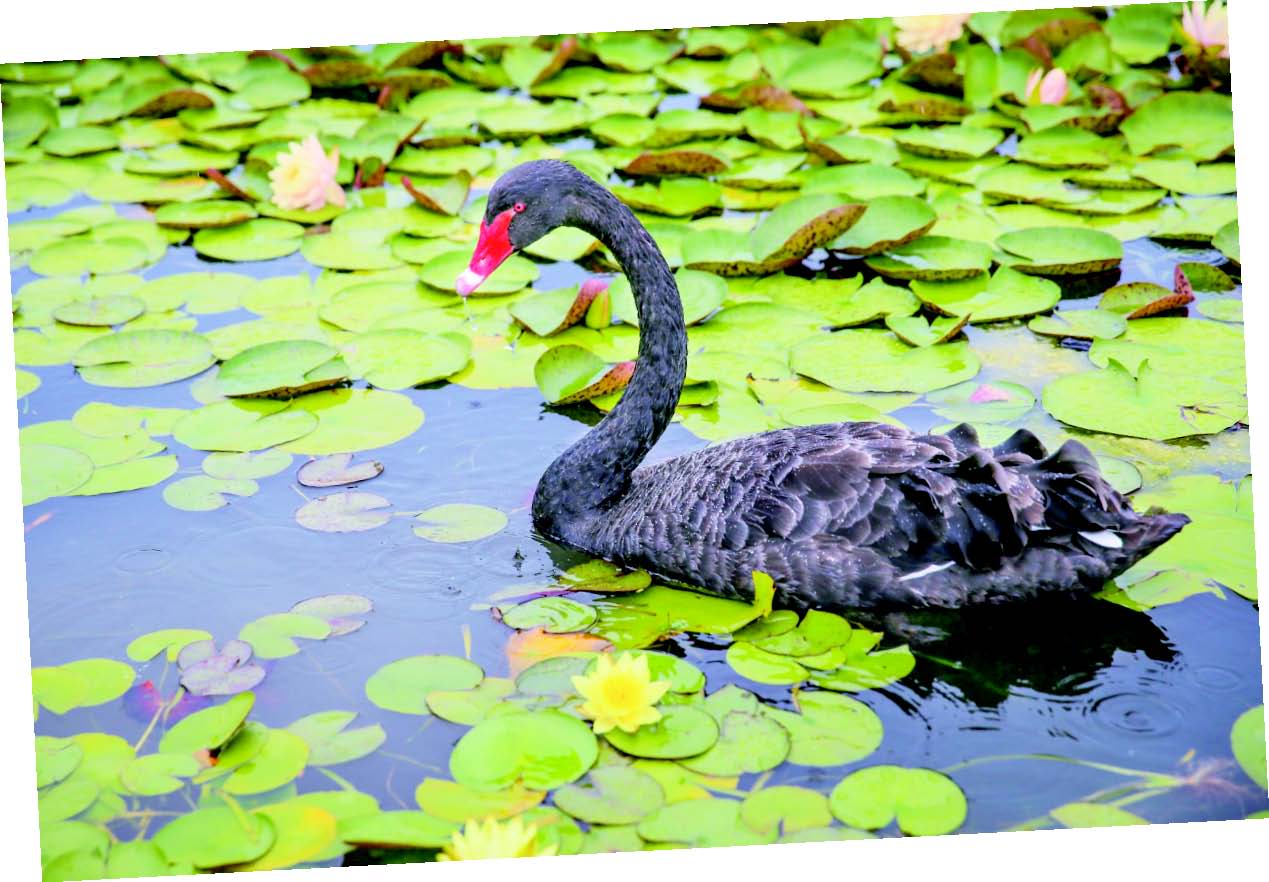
(839, 515)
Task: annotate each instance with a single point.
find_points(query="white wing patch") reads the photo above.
(928, 571)
(1104, 538)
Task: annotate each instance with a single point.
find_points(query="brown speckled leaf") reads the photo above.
(938, 71)
(564, 50)
(339, 72)
(172, 101)
(421, 53)
(675, 162)
(614, 380)
(761, 94)
(819, 231)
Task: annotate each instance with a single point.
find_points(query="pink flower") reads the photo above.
(1050, 88)
(921, 33)
(986, 392)
(1207, 28)
(304, 178)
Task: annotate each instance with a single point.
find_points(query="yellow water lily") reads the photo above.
(621, 694)
(492, 838)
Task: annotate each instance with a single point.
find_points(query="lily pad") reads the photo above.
(747, 743)
(1248, 741)
(205, 493)
(336, 469)
(953, 142)
(350, 420)
(889, 223)
(558, 615)
(260, 239)
(513, 275)
(568, 374)
(330, 740)
(701, 823)
(241, 426)
(933, 258)
(923, 802)
(103, 312)
(401, 358)
(701, 294)
(281, 369)
(403, 685)
(916, 330)
(216, 837)
(1200, 124)
(1005, 294)
(50, 470)
(1135, 300)
(1080, 324)
(1057, 251)
(611, 795)
(210, 728)
(682, 731)
(459, 522)
(272, 636)
(205, 214)
(131, 359)
(869, 360)
(540, 749)
(349, 512)
(829, 730)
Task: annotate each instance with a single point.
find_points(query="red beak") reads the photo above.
(493, 247)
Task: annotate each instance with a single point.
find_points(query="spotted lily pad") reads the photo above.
(923, 802)
(889, 223)
(933, 258)
(784, 237)
(1135, 300)
(568, 374)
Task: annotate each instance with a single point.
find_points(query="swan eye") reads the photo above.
(518, 207)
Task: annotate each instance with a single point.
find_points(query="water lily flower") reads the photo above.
(492, 838)
(922, 33)
(620, 694)
(1047, 88)
(304, 177)
(1207, 28)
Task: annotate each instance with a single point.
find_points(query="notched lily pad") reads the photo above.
(350, 512)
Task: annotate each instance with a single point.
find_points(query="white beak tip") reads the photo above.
(467, 282)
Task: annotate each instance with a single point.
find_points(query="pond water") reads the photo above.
(1154, 691)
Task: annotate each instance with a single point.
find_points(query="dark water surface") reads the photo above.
(1151, 691)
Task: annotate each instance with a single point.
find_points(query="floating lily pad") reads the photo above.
(868, 360)
(916, 330)
(354, 419)
(1248, 741)
(397, 829)
(205, 214)
(210, 728)
(349, 512)
(73, 257)
(830, 729)
(747, 743)
(104, 311)
(889, 223)
(1199, 123)
(682, 731)
(336, 469)
(701, 293)
(786, 808)
(1005, 294)
(701, 823)
(1226, 241)
(85, 683)
(50, 470)
(272, 636)
(459, 522)
(330, 740)
(550, 312)
(611, 795)
(260, 239)
(1080, 324)
(281, 369)
(1056, 251)
(205, 493)
(923, 802)
(468, 707)
(954, 142)
(130, 359)
(216, 837)
(513, 275)
(568, 374)
(340, 611)
(933, 258)
(558, 615)
(452, 801)
(241, 426)
(249, 466)
(206, 671)
(403, 685)
(541, 749)
(401, 358)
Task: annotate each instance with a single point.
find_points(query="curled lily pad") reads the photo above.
(1135, 300)
(889, 223)
(1080, 324)
(337, 469)
(916, 330)
(568, 374)
(540, 749)
(350, 512)
(281, 369)
(130, 359)
(1058, 251)
(923, 802)
(675, 162)
(550, 312)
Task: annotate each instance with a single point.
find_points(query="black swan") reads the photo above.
(841, 515)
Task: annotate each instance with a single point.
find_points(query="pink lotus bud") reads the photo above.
(1050, 88)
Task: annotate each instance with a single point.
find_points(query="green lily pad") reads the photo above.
(974, 402)
(459, 522)
(202, 215)
(691, 611)
(701, 293)
(103, 311)
(682, 731)
(889, 223)
(1005, 294)
(1066, 147)
(784, 237)
(158, 773)
(1135, 300)
(348, 512)
(952, 142)
(761, 666)
(403, 685)
(169, 640)
(869, 360)
(215, 837)
(205, 493)
(1223, 309)
(933, 258)
(1080, 324)
(701, 823)
(49, 470)
(84, 683)
(541, 749)
(1200, 124)
(513, 275)
(271, 636)
(331, 742)
(260, 239)
(73, 257)
(1226, 241)
(916, 330)
(1248, 741)
(131, 359)
(550, 312)
(1184, 176)
(397, 829)
(611, 795)
(1056, 251)
(1145, 405)
(241, 426)
(747, 743)
(210, 728)
(922, 801)
(1078, 815)
(557, 615)
(401, 358)
(830, 729)
(786, 808)
(675, 197)
(135, 474)
(351, 420)
(467, 707)
(568, 374)
(281, 369)
(870, 670)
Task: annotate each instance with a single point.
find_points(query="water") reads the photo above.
(1091, 681)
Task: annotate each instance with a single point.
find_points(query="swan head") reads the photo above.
(524, 205)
